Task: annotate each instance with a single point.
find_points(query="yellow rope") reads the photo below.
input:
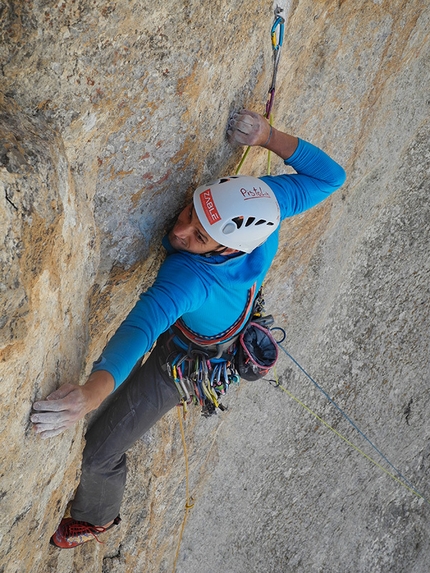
(189, 502)
(269, 153)
(242, 161)
(347, 441)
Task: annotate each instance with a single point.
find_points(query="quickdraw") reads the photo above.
(201, 381)
(277, 39)
(277, 36)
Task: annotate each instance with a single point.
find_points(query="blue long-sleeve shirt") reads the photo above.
(208, 297)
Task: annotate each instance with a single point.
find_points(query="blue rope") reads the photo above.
(353, 424)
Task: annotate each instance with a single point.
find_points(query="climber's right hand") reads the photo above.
(248, 128)
(70, 403)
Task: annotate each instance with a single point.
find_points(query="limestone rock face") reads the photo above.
(110, 114)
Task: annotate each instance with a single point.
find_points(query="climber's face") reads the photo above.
(188, 234)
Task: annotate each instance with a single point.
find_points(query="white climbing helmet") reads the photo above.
(239, 212)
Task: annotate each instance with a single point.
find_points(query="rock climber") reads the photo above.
(218, 253)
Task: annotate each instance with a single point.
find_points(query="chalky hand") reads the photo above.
(61, 410)
(248, 128)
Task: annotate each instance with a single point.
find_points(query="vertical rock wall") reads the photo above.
(111, 113)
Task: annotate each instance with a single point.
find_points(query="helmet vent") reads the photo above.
(249, 221)
(238, 221)
(260, 222)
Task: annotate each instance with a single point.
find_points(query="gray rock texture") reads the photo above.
(110, 114)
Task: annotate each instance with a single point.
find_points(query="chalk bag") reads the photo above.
(257, 352)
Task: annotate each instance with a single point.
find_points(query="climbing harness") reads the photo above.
(277, 39)
(203, 374)
(223, 339)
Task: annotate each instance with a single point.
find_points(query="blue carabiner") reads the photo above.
(213, 375)
(277, 43)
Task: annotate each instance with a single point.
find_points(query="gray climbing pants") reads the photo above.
(136, 406)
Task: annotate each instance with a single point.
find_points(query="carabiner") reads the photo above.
(277, 39)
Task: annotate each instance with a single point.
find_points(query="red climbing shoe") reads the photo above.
(71, 533)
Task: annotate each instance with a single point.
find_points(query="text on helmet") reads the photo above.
(209, 208)
(254, 193)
